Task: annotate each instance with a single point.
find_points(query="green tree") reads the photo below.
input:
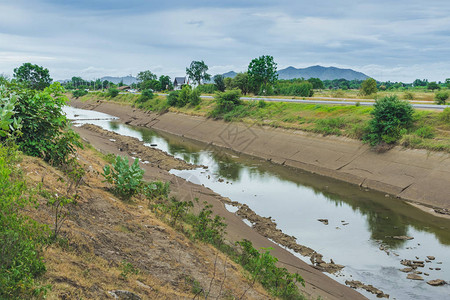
(219, 83)
(146, 76)
(33, 76)
(262, 73)
(447, 83)
(419, 82)
(240, 81)
(433, 86)
(165, 82)
(441, 97)
(197, 71)
(390, 117)
(368, 87)
(316, 83)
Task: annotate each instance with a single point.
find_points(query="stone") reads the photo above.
(403, 237)
(414, 277)
(431, 257)
(124, 295)
(436, 282)
(324, 221)
(407, 270)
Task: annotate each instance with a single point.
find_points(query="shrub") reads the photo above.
(194, 97)
(207, 88)
(126, 180)
(79, 93)
(112, 92)
(44, 126)
(338, 94)
(172, 98)
(408, 96)
(145, 96)
(441, 97)
(226, 101)
(368, 87)
(156, 190)
(208, 229)
(390, 117)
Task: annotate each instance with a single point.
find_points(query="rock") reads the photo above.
(324, 221)
(437, 269)
(370, 288)
(426, 274)
(431, 257)
(436, 282)
(402, 237)
(221, 180)
(124, 295)
(407, 270)
(414, 277)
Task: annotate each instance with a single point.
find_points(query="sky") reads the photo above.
(388, 40)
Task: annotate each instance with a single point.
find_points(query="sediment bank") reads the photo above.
(419, 176)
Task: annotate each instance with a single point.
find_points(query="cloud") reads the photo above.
(400, 40)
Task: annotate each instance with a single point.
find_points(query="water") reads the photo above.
(360, 221)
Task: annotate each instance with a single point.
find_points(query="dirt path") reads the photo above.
(418, 176)
(317, 283)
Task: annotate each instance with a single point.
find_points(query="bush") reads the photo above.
(172, 98)
(44, 126)
(126, 180)
(226, 102)
(145, 96)
(390, 117)
(79, 93)
(207, 88)
(112, 92)
(445, 115)
(194, 98)
(408, 96)
(441, 97)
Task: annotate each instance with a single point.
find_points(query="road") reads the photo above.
(338, 101)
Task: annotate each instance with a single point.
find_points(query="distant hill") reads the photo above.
(126, 80)
(230, 74)
(323, 73)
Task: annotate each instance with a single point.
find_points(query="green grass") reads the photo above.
(431, 130)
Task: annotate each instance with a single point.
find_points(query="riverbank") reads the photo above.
(418, 176)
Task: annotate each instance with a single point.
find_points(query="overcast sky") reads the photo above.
(389, 40)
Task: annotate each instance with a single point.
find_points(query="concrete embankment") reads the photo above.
(416, 175)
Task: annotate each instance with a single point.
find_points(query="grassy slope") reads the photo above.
(431, 130)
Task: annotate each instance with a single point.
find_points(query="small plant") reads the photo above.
(178, 209)
(425, 132)
(145, 96)
(156, 190)
(441, 97)
(208, 229)
(59, 205)
(262, 103)
(445, 115)
(194, 97)
(126, 179)
(127, 269)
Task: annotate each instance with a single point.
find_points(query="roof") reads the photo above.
(179, 80)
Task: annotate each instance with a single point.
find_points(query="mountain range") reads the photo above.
(323, 73)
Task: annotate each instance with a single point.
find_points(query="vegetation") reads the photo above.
(197, 72)
(441, 97)
(391, 118)
(294, 87)
(33, 76)
(219, 83)
(183, 97)
(79, 93)
(368, 87)
(112, 92)
(126, 179)
(21, 238)
(262, 74)
(226, 102)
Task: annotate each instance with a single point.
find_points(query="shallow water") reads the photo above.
(360, 221)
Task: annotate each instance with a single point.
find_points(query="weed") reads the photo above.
(127, 269)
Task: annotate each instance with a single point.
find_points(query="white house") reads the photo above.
(179, 82)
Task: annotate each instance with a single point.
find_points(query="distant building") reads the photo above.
(124, 88)
(179, 82)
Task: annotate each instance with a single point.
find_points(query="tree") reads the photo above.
(197, 71)
(441, 97)
(316, 83)
(34, 76)
(419, 82)
(166, 83)
(219, 83)
(146, 76)
(262, 73)
(240, 81)
(447, 82)
(433, 86)
(368, 87)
